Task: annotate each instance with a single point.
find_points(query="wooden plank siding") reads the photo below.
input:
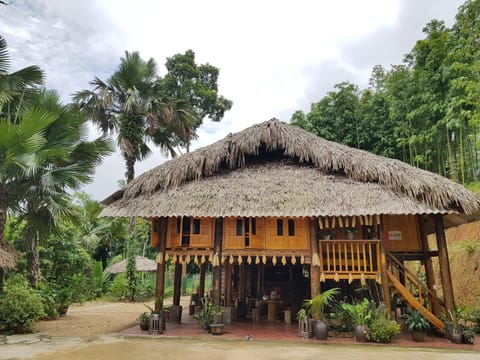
(408, 226)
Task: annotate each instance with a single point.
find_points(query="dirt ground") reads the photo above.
(93, 318)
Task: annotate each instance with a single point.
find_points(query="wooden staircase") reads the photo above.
(414, 292)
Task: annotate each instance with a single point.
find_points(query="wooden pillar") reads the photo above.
(228, 284)
(177, 284)
(201, 285)
(217, 270)
(160, 281)
(383, 265)
(427, 262)
(242, 283)
(444, 265)
(260, 270)
(314, 270)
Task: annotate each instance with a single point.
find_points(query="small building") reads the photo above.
(281, 213)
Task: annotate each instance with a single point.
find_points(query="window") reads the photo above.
(196, 226)
(179, 224)
(279, 227)
(254, 226)
(239, 227)
(291, 227)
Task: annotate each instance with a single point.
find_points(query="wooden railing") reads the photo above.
(350, 256)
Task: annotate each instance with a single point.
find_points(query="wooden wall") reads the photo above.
(202, 240)
(404, 227)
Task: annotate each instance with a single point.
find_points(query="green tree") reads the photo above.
(130, 105)
(197, 85)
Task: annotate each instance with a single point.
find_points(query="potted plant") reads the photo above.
(351, 231)
(454, 326)
(315, 309)
(216, 326)
(360, 314)
(166, 312)
(143, 320)
(417, 325)
(204, 314)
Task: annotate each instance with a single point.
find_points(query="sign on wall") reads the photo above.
(395, 235)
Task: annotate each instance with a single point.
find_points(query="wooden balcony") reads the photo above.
(346, 259)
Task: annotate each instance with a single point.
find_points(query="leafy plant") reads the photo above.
(414, 321)
(383, 330)
(100, 279)
(119, 287)
(360, 313)
(21, 307)
(315, 307)
(301, 314)
(473, 315)
(143, 317)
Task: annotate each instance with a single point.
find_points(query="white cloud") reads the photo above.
(275, 56)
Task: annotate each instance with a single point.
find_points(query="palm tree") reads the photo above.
(65, 161)
(18, 87)
(129, 104)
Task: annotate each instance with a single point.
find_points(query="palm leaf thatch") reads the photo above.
(8, 258)
(276, 169)
(141, 264)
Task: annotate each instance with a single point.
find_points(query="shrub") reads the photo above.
(49, 294)
(474, 317)
(21, 307)
(119, 287)
(383, 330)
(145, 288)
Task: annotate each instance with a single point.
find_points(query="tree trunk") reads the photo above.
(130, 165)
(33, 259)
(451, 158)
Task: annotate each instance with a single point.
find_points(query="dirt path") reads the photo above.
(93, 318)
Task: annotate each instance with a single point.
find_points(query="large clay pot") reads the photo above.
(456, 338)
(418, 336)
(360, 333)
(319, 329)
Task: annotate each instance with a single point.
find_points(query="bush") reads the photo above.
(383, 330)
(21, 307)
(145, 288)
(119, 287)
(49, 294)
(474, 316)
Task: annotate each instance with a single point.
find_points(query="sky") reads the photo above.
(274, 57)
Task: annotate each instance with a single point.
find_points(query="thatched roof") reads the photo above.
(276, 169)
(141, 264)
(8, 258)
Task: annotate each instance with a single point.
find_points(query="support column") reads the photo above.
(314, 270)
(427, 262)
(383, 265)
(228, 284)
(444, 264)
(201, 285)
(217, 270)
(242, 283)
(160, 281)
(177, 284)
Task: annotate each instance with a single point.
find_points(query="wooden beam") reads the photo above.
(177, 283)
(444, 264)
(314, 270)
(201, 285)
(217, 270)
(160, 281)
(427, 263)
(383, 266)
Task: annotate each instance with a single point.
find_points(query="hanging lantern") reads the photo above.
(336, 278)
(361, 220)
(333, 221)
(379, 279)
(340, 222)
(284, 260)
(302, 259)
(315, 259)
(239, 260)
(210, 258)
(174, 259)
(320, 223)
(222, 260)
(293, 260)
(274, 260)
(327, 225)
(216, 259)
(322, 277)
(159, 258)
(264, 259)
(362, 280)
(378, 220)
(180, 259)
(195, 259)
(257, 260)
(354, 221)
(350, 278)
(249, 260)
(230, 259)
(188, 259)
(347, 222)
(202, 259)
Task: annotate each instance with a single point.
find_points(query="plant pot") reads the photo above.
(63, 310)
(216, 329)
(456, 338)
(143, 325)
(418, 336)
(360, 333)
(319, 329)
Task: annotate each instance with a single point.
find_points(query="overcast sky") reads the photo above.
(274, 56)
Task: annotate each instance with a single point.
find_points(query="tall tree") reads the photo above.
(65, 161)
(197, 85)
(130, 105)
